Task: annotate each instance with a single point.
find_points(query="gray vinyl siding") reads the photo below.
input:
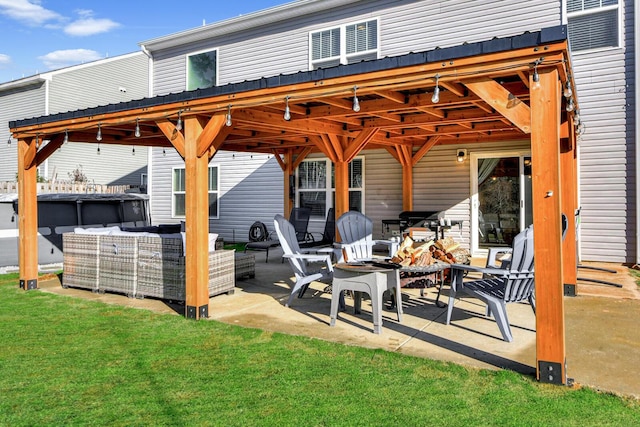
(251, 189)
(90, 86)
(99, 83)
(405, 26)
(605, 82)
(15, 104)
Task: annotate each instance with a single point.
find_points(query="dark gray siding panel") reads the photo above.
(15, 104)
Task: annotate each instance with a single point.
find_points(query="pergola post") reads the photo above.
(342, 188)
(196, 223)
(407, 186)
(27, 215)
(547, 227)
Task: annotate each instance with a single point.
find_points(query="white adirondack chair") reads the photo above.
(356, 234)
(299, 259)
(512, 282)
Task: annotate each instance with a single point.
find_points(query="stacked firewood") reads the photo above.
(445, 250)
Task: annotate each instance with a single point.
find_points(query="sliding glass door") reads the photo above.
(501, 198)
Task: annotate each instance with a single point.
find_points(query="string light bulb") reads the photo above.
(137, 132)
(164, 152)
(99, 134)
(133, 151)
(9, 142)
(179, 123)
(356, 102)
(229, 122)
(570, 106)
(66, 136)
(37, 141)
(98, 150)
(435, 98)
(567, 90)
(287, 112)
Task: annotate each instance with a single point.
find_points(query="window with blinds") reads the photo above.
(344, 44)
(593, 24)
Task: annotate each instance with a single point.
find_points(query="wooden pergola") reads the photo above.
(500, 90)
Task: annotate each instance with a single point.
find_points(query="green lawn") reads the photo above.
(68, 361)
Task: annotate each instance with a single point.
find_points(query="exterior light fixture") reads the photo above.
(356, 103)
(287, 112)
(436, 91)
(461, 155)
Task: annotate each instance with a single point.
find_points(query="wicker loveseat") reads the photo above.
(138, 264)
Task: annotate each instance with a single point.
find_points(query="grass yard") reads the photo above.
(67, 361)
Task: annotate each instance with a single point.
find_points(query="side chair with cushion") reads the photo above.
(513, 281)
(299, 259)
(356, 233)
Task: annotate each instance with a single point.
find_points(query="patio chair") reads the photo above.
(299, 259)
(299, 218)
(328, 235)
(356, 232)
(513, 281)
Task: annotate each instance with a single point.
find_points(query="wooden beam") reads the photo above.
(359, 143)
(27, 216)
(174, 136)
(212, 129)
(196, 223)
(503, 101)
(424, 149)
(288, 190)
(45, 152)
(547, 203)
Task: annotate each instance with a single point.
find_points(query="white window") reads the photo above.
(344, 44)
(178, 192)
(202, 70)
(316, 188)
(593, 24)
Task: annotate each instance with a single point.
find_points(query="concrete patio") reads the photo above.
(602, 334)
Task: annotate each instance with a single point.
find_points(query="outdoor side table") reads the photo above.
(369, 278)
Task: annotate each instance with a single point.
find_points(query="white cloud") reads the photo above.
(4, 60)
(27, 11)
(90, 26)
(65, 58)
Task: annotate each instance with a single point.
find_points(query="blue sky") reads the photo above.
(42, 35)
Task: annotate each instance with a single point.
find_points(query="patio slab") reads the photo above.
(602, 337)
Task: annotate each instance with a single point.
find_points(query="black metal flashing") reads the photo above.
(495, 45)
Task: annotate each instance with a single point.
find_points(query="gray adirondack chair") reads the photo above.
(356, 234)
(299, 259)
(513, 281)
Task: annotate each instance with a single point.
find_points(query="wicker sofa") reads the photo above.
(138, 264)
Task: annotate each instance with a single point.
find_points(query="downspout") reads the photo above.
(636, 32)
(45, 172)
(149, 149)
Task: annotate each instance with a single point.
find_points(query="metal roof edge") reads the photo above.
(25, 81)
(495, 45)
